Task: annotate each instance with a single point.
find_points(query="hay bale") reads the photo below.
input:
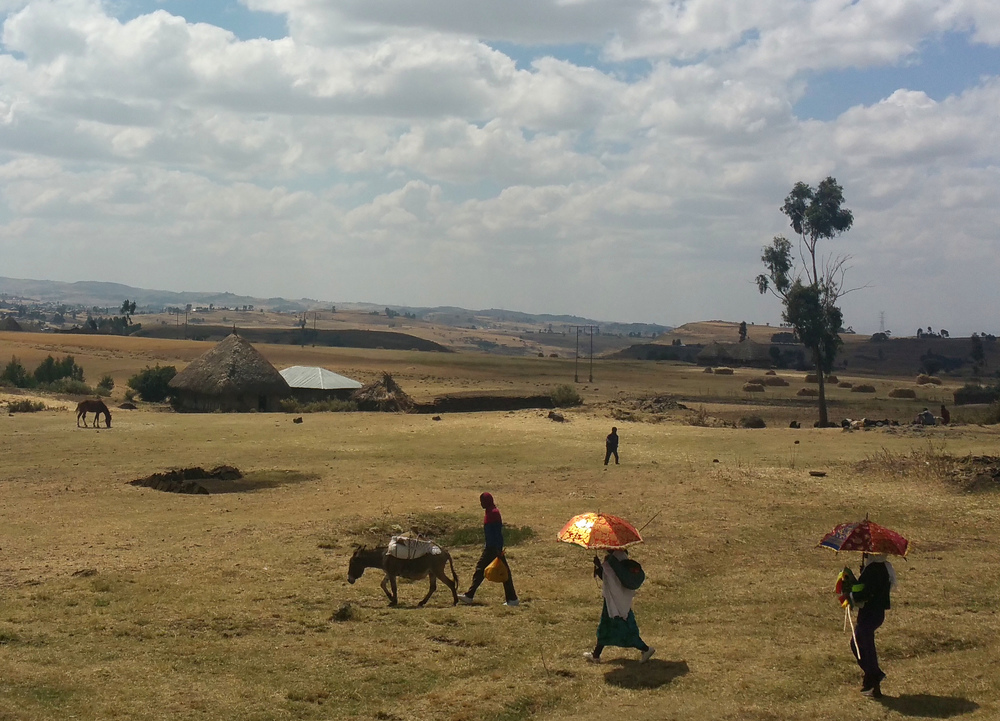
(902, 393)
(923, 379)
(863, 388)
(771, 373)
(752, 422)
(811, 392)
(753, 387)
(812, 378)
(775, 381)
(845, 384)
(723, 371)
(708, 369)
(383, 395)
(832, 379)
(759, 380)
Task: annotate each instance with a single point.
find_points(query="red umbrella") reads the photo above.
(599, 530)
(865, 536)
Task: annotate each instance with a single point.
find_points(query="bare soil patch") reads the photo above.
(221, 479)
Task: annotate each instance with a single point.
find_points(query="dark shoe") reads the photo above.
(873, 692)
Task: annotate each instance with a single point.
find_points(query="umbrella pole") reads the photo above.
(651, 519)
(853, 635)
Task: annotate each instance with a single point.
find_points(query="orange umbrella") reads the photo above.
(599, 530)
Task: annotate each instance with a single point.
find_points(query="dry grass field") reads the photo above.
(126, 602)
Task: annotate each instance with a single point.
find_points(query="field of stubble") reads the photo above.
(125, 602)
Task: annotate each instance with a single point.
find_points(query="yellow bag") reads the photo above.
(497, 571)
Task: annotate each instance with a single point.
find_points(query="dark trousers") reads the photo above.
(489, 555)
(607, 456)
(869, 619)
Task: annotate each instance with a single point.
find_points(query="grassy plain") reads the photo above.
(125, 602)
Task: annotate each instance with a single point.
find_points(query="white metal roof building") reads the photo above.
(320, 379)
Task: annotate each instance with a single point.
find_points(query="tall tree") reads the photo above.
(810, 296)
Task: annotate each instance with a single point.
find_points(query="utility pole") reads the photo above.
(588, 330)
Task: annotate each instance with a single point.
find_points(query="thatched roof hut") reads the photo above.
(383, 395)
(713, 354)
(232, 376)
(9, 323)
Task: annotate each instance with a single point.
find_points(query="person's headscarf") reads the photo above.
(486, 500)
(883, 558)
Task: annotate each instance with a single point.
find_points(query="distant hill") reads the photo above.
(87, 294)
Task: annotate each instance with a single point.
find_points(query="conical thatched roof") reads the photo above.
(750, 352)
(231, 367)
(714, 351)
(382, 395)
(9, 323)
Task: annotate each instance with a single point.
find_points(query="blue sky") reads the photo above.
(609, 159)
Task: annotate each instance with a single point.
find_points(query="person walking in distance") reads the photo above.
(611, 445)
(492, 549)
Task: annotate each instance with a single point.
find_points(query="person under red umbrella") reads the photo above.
(620, 579)
(871, 594)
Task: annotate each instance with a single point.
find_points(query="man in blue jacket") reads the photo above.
(493, 549)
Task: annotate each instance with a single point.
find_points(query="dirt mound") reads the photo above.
(977, 473)
(186, 480)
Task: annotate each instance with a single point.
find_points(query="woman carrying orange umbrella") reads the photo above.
(620, 577)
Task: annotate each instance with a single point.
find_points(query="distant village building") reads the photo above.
(232, 376)
(310, 383)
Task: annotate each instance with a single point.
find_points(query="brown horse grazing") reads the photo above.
(431, 565)
(96, 407)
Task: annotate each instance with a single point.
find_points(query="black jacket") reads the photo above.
(872, 587)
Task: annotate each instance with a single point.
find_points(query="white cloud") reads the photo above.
(385, 152)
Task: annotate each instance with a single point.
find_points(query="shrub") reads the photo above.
(106, 383)
(902, 393)
(70, 386)
(924, 379)
(752, 422)
(15, 374)
(863, 388)
(25, 405)
(333, 405)
(775, 381)
(812, 378)
(723, 371)
(975, 393)
(753, 388)
(565, 395)
(50, 370)
(811, 392)
(845, 384)
(152, 384)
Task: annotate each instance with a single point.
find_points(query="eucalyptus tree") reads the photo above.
(810, 290)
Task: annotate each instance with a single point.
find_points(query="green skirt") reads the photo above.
(622, 632)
